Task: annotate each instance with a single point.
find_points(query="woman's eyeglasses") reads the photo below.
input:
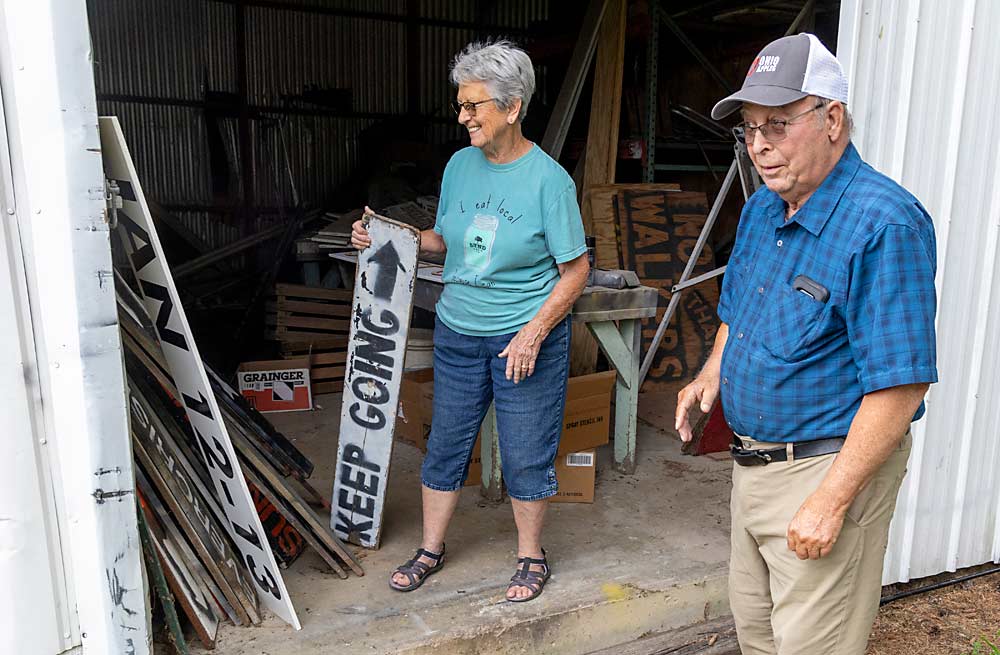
(469, 107)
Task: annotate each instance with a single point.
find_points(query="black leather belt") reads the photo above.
(801, 450)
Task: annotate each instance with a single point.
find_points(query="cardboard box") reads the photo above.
(416, 404)
(280, 385)
(576, 473)
(588, 412)
(585, 421)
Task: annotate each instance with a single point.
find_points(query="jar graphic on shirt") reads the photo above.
(479, 238)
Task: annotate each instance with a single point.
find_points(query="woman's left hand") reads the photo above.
(522, 351)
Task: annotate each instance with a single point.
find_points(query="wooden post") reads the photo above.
(492, 485)
(605, 106)
(602, 148)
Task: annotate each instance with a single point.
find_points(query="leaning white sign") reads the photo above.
(383, 298)
(160, 298)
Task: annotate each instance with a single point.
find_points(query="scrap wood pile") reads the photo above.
(202, 570)
(335, 236)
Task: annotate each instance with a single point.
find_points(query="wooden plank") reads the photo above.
(184, 467)
(326, 359)
(284, 539)
(606, 103)
(328, 387)
(180, 350)
(301, 528)
(383, 300)
(180, 566)
(602, 148)
(258, 429)
(218, 254)
(327, 372)
(569, 93)
(281, 453)
(300, 336)
(303, 291)
(325, 324)
(313, 343)
(301, 514)
(155, 450)
(306, 307)
(174, 632)
(599, 202)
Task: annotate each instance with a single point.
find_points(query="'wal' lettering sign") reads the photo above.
(160, 298)
(383, 299)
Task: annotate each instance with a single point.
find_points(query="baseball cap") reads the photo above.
(787, 70)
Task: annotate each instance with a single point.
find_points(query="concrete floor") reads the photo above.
(648, 556)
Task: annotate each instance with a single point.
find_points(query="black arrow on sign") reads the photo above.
(386, 259)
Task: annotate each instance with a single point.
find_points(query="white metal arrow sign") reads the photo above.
(160, 298)
(383, 299)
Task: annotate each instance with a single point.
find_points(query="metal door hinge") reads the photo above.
(113, 200)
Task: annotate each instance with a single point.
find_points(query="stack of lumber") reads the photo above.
(312, 322)
(183, 517)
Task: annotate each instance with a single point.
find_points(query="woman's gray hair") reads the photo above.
(503, 67)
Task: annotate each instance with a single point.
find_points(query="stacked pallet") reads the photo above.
(312, 322)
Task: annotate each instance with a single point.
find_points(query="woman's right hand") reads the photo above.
(359, 233)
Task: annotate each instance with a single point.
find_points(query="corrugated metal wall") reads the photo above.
(156, 59)
(924, 82)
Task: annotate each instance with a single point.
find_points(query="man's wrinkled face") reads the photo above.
(793, 166)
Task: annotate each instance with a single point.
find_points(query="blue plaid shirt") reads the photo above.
(795, 368)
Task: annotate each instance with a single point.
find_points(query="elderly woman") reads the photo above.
(515, 262)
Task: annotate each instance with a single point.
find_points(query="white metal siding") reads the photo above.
(925, 78)
(70, 563)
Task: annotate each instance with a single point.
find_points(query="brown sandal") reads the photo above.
(534, 581)
(417, 571)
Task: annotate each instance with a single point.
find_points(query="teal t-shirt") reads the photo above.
(505, 226)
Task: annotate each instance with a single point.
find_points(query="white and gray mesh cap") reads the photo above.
(787, 70)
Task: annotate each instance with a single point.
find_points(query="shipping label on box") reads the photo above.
(576, 474)
(276, 386)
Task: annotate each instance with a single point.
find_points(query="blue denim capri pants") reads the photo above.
(468, 375)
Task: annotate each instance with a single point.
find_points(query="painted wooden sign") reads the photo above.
(159, 295)
(659, 230)
(183, 492)
(182, 570)
(380, 317)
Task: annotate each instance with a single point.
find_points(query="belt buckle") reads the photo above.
(749, 457)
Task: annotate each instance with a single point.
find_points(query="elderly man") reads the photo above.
(826, 350)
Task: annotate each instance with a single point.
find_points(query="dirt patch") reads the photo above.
(676, 468)
(947, 621)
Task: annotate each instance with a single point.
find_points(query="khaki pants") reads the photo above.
(786, 606)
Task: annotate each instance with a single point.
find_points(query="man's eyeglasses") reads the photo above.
(774, 130)
(469, 107)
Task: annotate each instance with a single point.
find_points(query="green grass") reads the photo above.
(983, 646)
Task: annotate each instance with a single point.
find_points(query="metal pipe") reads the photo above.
(689, 44)
(937, 585)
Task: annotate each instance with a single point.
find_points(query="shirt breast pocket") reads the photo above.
(790, 324)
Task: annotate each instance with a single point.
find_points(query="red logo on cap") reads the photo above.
(753, 66)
